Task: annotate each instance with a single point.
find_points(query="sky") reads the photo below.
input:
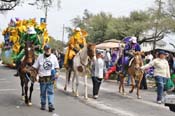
(70, 9)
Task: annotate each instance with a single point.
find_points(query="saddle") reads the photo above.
(124, 63)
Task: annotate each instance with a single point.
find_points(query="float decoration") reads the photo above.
(15, 35)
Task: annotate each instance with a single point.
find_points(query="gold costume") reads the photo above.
(77, 41)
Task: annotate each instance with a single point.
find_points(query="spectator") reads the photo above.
(47, 66)
(148, 57)
(161, 73)
(114, 56)
(61, 59)
(98, 74)
(107, 58)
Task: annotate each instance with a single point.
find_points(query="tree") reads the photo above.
(6, 5)
(98, 26)
(148, 26)
(57, 44)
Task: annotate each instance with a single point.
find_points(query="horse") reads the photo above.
(27, 73)
(80, 68)
(135, 72)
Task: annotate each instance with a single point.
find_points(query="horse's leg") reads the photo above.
(22, 87)
(138, 88)
(26, 92)
(121, 85)
(65, 87)
(30, 96)
(132, 83)
(73, 78)
(77, 84)
(68, 76)
(122, 82)
(85, 87)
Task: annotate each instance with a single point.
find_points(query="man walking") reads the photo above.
(47, 66)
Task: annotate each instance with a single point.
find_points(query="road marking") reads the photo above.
(97, 104)
(130, 97)
(54, 114)
(2, 82)
(4, 90)
(107, 108)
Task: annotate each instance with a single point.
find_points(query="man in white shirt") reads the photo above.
(47, 66)
(98, 76)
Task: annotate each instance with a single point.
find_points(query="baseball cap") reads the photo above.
(46, 47)
(133, 39)
(98, 51)
(162, 52)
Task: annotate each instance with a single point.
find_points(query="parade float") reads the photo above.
(15, 35)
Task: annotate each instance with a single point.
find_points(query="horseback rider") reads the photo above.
(31, 35)
(77, 41)
(130, 47)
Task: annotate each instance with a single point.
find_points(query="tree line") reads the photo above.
(148, 25)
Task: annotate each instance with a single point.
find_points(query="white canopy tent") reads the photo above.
(113, 43)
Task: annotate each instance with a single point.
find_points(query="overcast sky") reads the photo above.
(72, 8)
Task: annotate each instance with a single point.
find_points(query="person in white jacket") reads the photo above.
(98, 74)
(161, 72)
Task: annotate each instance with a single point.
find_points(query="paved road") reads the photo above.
(110, 102)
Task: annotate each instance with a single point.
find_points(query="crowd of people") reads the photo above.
(159, 66)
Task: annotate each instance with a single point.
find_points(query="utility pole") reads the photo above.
(63, 36)
(156, 23)
(46, 5)
(46, 13)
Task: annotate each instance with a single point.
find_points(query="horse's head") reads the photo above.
(91, 50)
(138, 59)
(136, 64)
(29, 52)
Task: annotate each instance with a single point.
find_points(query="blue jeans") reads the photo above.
(160, 81)
(47, 89)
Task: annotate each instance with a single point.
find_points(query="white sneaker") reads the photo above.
(95, 96)
(159, 102)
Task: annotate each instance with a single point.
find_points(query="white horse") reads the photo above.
(80, 63)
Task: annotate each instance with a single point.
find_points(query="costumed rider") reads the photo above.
(77, 41)
(31, 35)
(130, 47)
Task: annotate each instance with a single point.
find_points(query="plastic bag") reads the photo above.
(169, 85)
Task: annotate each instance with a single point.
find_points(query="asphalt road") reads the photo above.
(110, 102)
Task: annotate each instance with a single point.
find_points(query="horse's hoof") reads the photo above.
(86, 98)
(124, 93)
(65, 88)
(30, 104)
(22, 98)
(130, 91)
(76, 95)
(139, 97)
(73, 92)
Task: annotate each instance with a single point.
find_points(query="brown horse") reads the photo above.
(134, 72)
(27, 73)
